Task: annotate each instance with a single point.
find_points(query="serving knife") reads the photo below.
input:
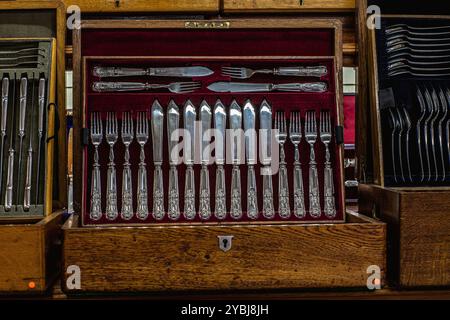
(190, 116)
(173, 122)
(267, 87)
(250, 152)
(220, 122)
(184, 72)
(205, 198)
(157, 139)
(236, 127)
(265, 119)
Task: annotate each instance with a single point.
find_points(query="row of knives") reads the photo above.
(138, 129)
(418, 51)
(200, 71)
(24, 111)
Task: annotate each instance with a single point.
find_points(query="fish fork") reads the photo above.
(283, 187)
(174, 87)
(245, 73)
(142, 133)
(295, 134)
(127, 186)
(311, 138)
(96, 187)
(325, 136)
(111, 185)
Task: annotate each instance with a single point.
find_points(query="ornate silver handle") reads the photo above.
(27, 193)
(96, 190)
(174, 204)
(268, 209)
(329, 206)
(252, 200)
(9, 181)
(125, 86)
(283, 189)
(314, 198)
(236, 203)
(158, 193)
(127, 193)
(319, 71)
(301, 87)
(118, 72)
(189, 194)
(111, 193)
(142, 195)
(205, 200)
(220, 209)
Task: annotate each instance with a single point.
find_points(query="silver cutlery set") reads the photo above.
(22, 142)
(199, 71)
(418, 51)
(430, 131)
(203, 203)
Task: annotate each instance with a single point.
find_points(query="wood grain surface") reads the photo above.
(188, 258)
(418, 233)
(288, 5)
(145, 5)
(29, 254)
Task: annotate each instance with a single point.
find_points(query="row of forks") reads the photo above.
(418, 51)
(431, 130)
(311, 136)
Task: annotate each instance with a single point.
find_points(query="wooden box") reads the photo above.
(41, 21)
(145, 259)
(418, 233)
(417, 214)
(30, 255)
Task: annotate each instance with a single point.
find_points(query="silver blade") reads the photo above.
(157, 132)
(189, 116)
(205, 118)
(239, 87)
(182, 72)
(173, 123)
(250, 133)
(220, 123)
(235, 124)
(265, 119)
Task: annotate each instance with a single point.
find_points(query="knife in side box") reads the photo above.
(250, 152)
(157, 139)
(190, 116)
(267, 87)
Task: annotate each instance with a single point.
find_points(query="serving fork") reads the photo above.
(326, 136)
(311, 138)
(96, 187)
(283, 186)
(245, 73)
(127, 134)
(174, 87)
(295, 135)
(111, 184)
(142, 133)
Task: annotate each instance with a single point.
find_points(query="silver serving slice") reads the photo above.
(157, 139)
(190, 116)
(220, 121)
(184, 72)
(265, 122)
(250, 152)
(205, 192)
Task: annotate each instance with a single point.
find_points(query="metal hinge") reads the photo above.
(207, 24)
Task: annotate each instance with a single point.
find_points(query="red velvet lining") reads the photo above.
(141, 101)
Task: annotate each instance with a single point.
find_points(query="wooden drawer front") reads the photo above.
(145, 5)
(189, 258)
(288, 5)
